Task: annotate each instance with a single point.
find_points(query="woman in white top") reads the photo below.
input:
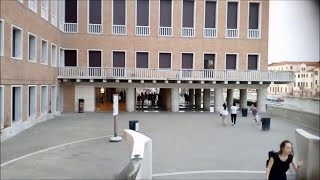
(234, 110)
(224, 113)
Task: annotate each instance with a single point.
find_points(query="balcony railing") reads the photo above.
(254, 33)
(232, 33)
(174, 74)
(165, 31)
(187, 32)
(69, 27)
(119, 29)
(143, 30)
(209, 32)
(95, 28)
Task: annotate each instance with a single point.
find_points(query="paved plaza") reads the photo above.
(186, 145)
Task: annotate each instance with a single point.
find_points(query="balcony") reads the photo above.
(142, 30)
(187, 32)
(174, 74)
(165, 31)
(253, 33)
(232, 33)
(119, 29)
(210, 32)
(95, 28)
(69, 27)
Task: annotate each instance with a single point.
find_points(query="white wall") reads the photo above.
(87, 93)
(294, 30)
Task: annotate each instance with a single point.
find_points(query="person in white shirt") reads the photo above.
(224, 113)
(234, 111)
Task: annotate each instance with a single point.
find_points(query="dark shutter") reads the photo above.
(142, 60)
(143, 12)
(119, 59)
(209, 61)
(14, 36)
(71, 11)
(119, 12)
(165, 13)
(94, 58)
(231, 61)
(95, 11)
(70, 58)
(210, 16)
(254, 16)
(13, 103)
(232, 19)
(187, 61)
(252, 62)
(188, 13)
(164, 60)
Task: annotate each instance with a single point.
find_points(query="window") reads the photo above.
(54, 99)
(165, 23)
(142, 17)
(1, 37)
(32, 101)
(2, 106)
(210, 19)
(254, 20)
(69, 16)
(232, 20)
(44, 52)
(94, 58)
(298, 75)
(54, 12)
(165, 60)
(294, 84)
(33, 5)
(231, 61)
(44, 100)
(54, 55)
(70, 58)
(119, 63)
(253, 62)
(187, 65)
(119, 17)
(32, 48)
(16, 42)
(142, 59)
(16, 103)
(208, 62)
(316, 73)
(188, 18)
(316, 82)
(44, 9)
(291, 67)
(298, 84)
(306, 84)
(21, 1)
(95, 16)
(311, 84)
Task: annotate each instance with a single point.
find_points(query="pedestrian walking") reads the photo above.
(234, 111)
(224, 113)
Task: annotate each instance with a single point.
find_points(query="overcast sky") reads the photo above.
(294, 30)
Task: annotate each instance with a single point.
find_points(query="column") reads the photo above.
(175, 99)
(191, 95)
(243, 98)
(218, 99)
(261, 100)
(229, 97)
(198, 98)
(206, 99)
(130, 100)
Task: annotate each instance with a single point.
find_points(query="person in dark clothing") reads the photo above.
(279, 162)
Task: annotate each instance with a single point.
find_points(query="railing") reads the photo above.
(254, 33)
(165, 31)
(210, 32)
(95, 28)
(119, 29)
(232, 33)
(70, 27)
(187, 32)
(174, 74)
(143, 30)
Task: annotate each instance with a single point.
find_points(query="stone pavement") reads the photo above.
(188, 145)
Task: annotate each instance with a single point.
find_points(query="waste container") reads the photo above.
(244, 112)
(81, 105)
(134, 125)
(265, 123)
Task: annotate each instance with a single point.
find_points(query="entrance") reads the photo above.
(104, 99)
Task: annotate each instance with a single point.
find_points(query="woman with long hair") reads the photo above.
(224, 113)
(279, 162)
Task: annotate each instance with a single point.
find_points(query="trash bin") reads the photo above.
(244, 112)
(81, 105)
(134, 125)
(265, 123)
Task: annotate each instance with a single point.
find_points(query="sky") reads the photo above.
(294, 30)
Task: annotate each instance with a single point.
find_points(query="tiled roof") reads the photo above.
(308, 63)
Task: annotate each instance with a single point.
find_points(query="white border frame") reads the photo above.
(36, 6)
(20, 1)
(2, 39)
(47, 10)
(194, 18)
(193, 59)
(35, 115)
(125, 57)
(159, 59)
(135, 58)
(204, 14)
(56, 100)
(41, 114)
(55, 65)
(258, 61)
(171, 19)
(260, 17)
(2, 107)
(215, 59)
(16, 121)
(55, 24)
(36, 53)
(126, 16)
(88, 50)
(136, 17)
(16, 27)
(238, 18)
(47, 62)
(66, 49)
(88, 17)
(237, 61)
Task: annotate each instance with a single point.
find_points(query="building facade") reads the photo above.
(54, 53)
(306, 83)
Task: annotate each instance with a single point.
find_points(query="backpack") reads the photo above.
(270, 153)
